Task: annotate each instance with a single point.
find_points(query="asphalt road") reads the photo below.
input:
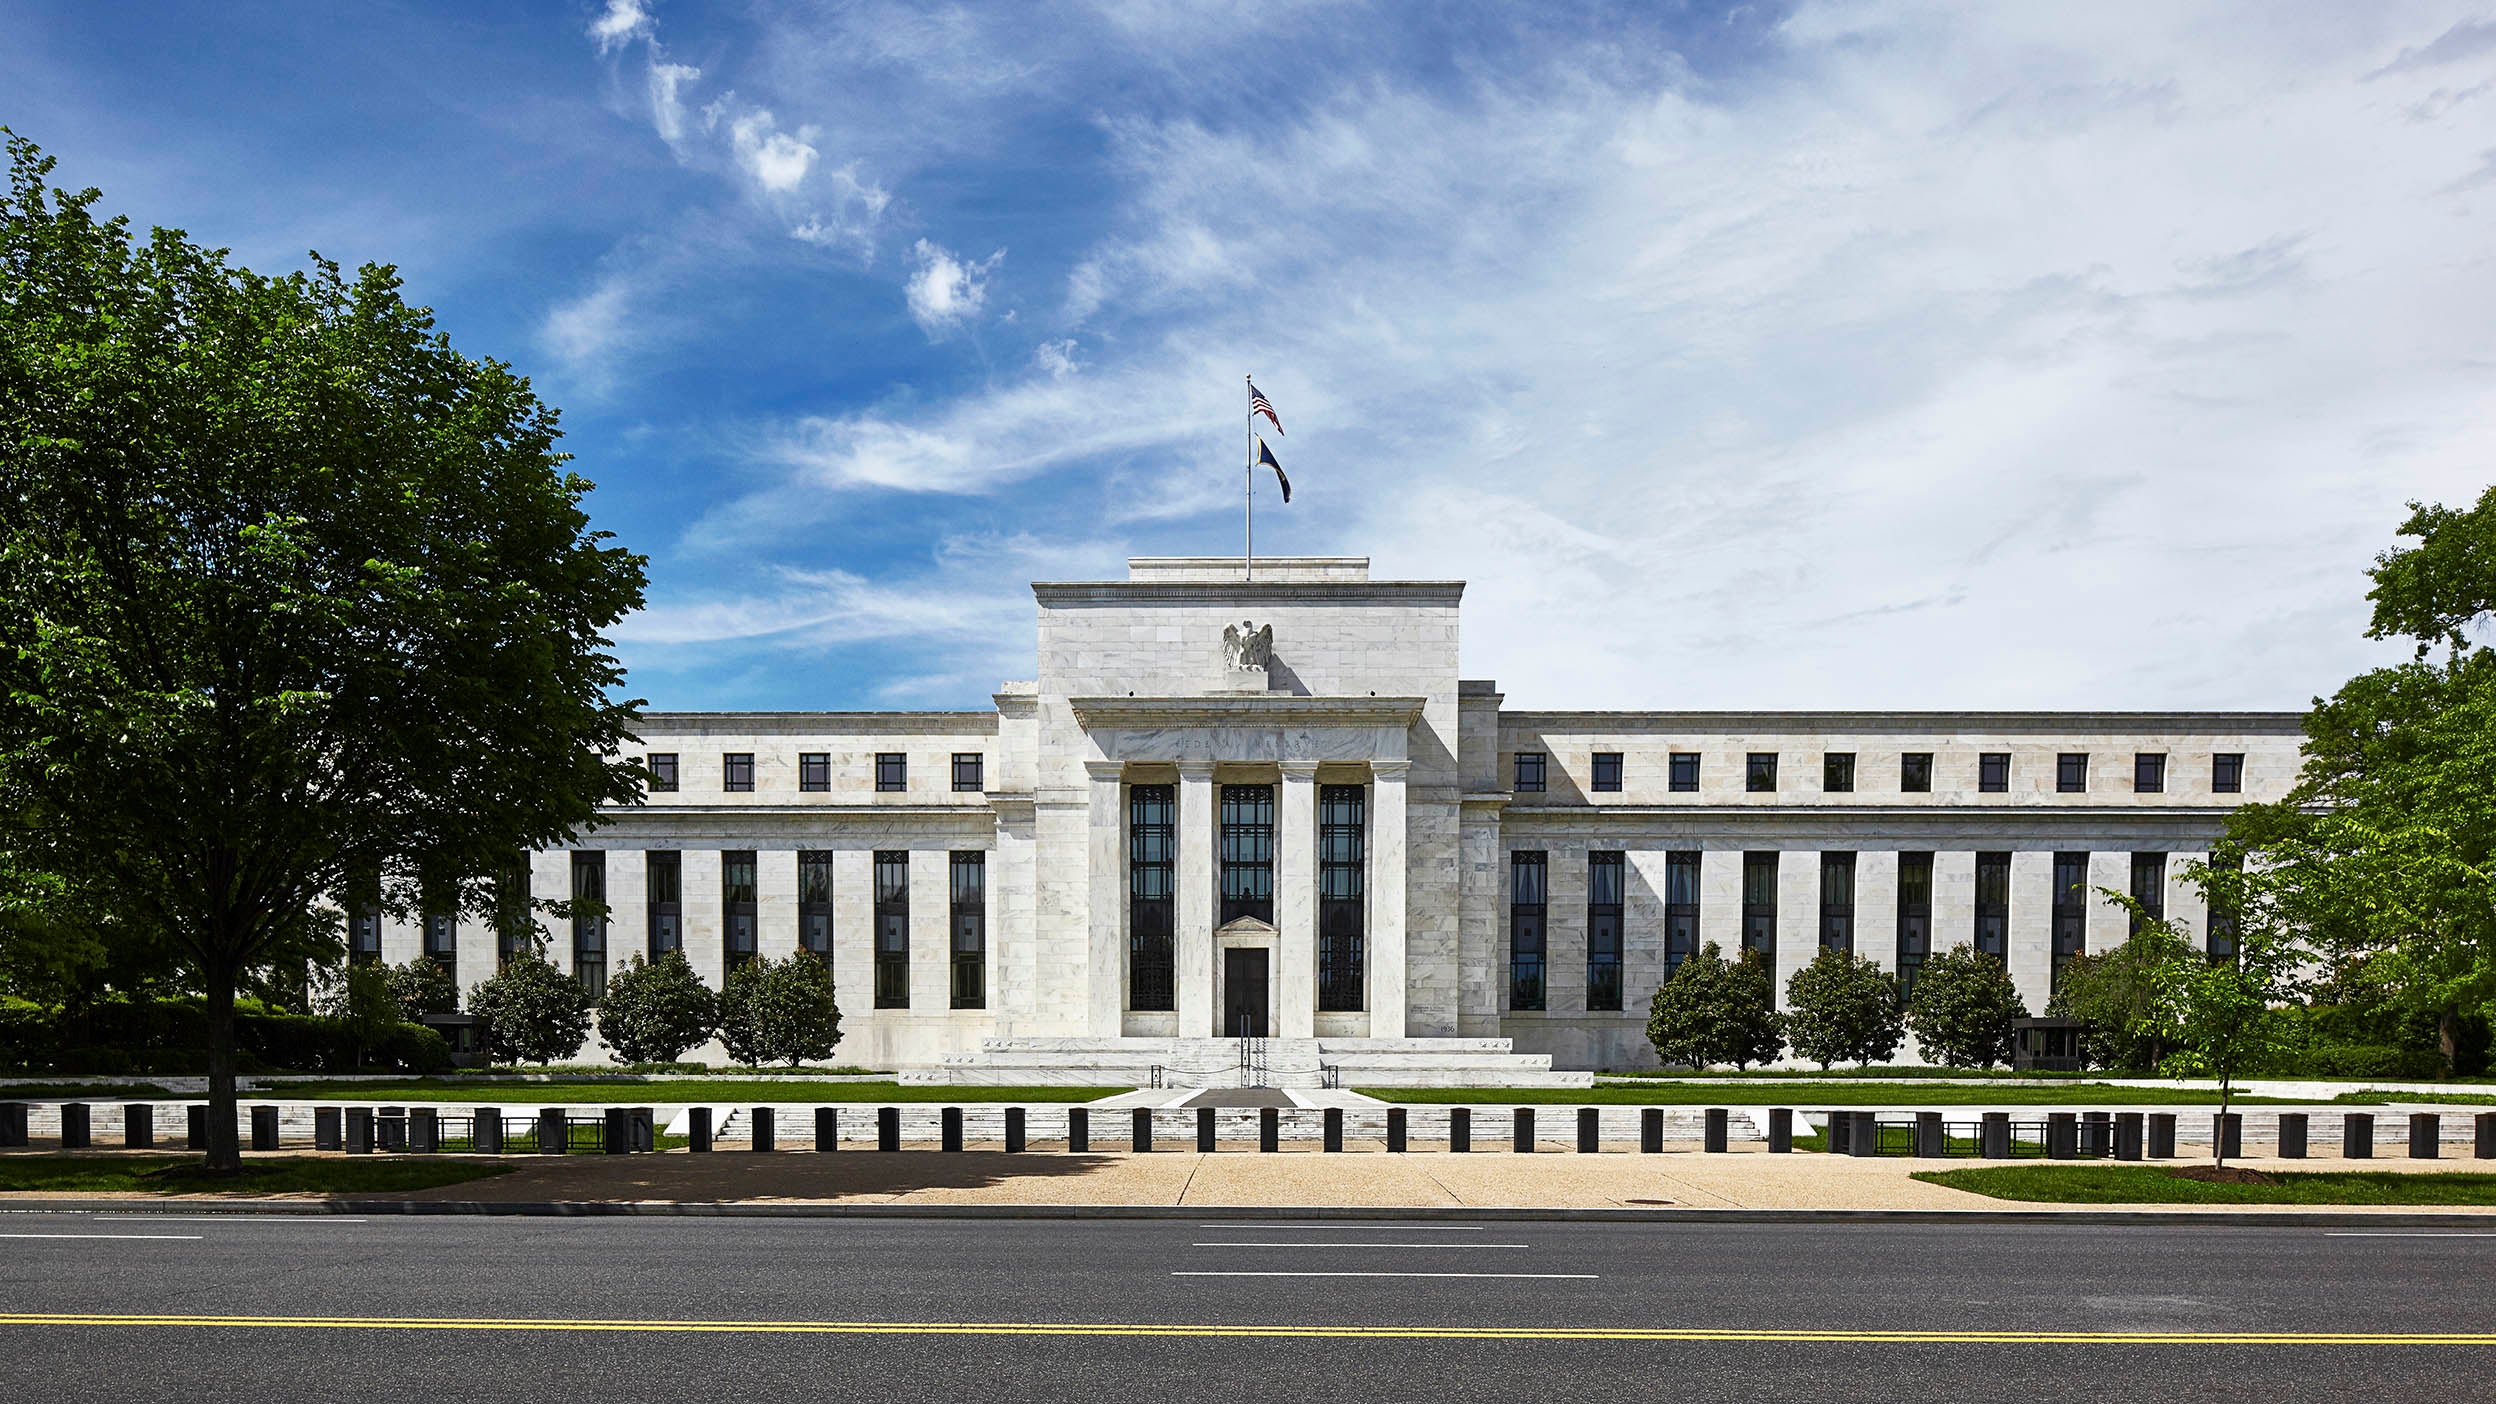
(672, 1309)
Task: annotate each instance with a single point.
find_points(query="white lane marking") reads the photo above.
(2369, 1233)
(98, 1235)
(221, 1219)
(1341, 1226)
(1304, 1243)
(1538, 1276)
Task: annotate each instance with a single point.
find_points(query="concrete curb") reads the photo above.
(2046, 1218)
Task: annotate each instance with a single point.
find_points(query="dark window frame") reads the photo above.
(2227, 772)
(814, 903)
(814, 772)
(1682, 868)
(736, 772)
(1529, 930)
(966, 890)
(892, 928)
(740, 907)
(970, 772)
(1530, 771)
(1759, 773)
(2148, 888)
(1342, 897)
(1759, 917)
(1991, 934)
(1247, 853)
(663, 772)
(663, 901)
(1837, 901)
(1607, 886)
(1604, 772)
(2071, 773)
(1993, 772)
(2149, 773)
(1915, 772)
(589, 920)
(1837, 772)
(2070, 905)
(1682, 772)
(1915, 918)
(1152, 897)
(892, 772)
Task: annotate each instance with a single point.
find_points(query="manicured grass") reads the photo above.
(86, 1092)
(2158, 1184)
(612, 1092)
(181, 1174)
(2377, 1097)
(1915, 1070)
(1820, 1094)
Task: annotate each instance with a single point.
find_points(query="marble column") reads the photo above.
(1106, 884)
(853, 943)
(550, 880)
(775, 902)
(628, 906)
(1386, 899)
(2031, 940)
(1798, 915)
(1197, 818)
(2109, 924)
(1295, 902)
(703, 920)
(931, 930)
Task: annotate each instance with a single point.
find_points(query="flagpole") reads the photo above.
(1248, 481)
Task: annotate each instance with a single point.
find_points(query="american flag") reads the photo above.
(1258, 404)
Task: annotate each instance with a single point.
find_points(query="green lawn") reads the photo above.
(1917, 1071)
(1820, 1094)
(2377, 1097)
(181, 1174)
(2157, 1184)
(90, 1092)
(607, 1092)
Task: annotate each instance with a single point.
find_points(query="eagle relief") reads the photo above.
(1246, 647)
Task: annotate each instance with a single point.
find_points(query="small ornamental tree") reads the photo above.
(1843, 1007)
(779, 1011)
(1747, 1024)
(1962, 1009)
(1715, 1011)
(2117, 995)
(422, 987)
(533, 1012)
(655, 1010)
(359, 997)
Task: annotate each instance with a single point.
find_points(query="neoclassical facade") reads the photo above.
(1272, 806)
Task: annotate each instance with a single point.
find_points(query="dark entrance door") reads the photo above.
(1243, 992)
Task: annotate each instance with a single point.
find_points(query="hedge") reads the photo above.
(171, 1037)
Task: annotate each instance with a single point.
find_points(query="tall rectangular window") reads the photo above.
(2071, 910)
(2223, 920)
(1915, 918)
(2227, 773)
(1993, 905)
(1342, 855)
(1759, 773)
(2149, 887)
(1993, 773)
(814, 771)
(1837, 902)
(1759, 904)
(1528, 896)
(1529, 770)
(1152, 867)
(1915, 772)
(892, 772)
(892, 929)
(968, 772)
(441, 922)
(364, 921)
(1607, 771)
(1247, 853)
(1837, 772)
(738, 913)
(589, 921)
(515, 921)
(666, 901)
(2149, 773)
(1605, 873)
(969, 888)
(814, 905)
(1681, 908)
(1682, 772)
(736, 771)
(662, 768)
(2071, 772)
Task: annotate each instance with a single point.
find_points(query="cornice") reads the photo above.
(655, 725)
(1919, 723)
(1078, 594)
(1247, 709)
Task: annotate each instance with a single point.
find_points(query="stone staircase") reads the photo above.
(1215, 1062)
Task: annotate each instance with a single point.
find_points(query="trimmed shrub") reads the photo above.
(1843, 1007)
(532, 1012)
(1962, 1009)
(165, 1037)
(779, 1011)
(653, 1011)
(422, 987)
(1715, 1011)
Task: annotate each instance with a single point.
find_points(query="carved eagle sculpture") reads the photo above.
(1247, 646)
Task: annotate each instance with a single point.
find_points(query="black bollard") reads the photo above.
(1863, 1133)
(1651, 1131)
(1269, 1129)
(264, 1128)
(698, 1128)
(2483, 1141)
(888, 1128)
(1521, 1131)
(138, 1126)
(2227, 1132)
(76, 1127)
(328, 1131)
(2357, 1136)
(1993, 1136)
(1931, 1141)
(1141, 1134)
(359, 1130)
(1718, 1130)
(2162, 1135)
(2127, 1135)
(1332, 1121)
(2292, 1135)
(949, 1129)
(1589, 1131)
(1016, 1138)
(1841, 1126)
(424, 1130)
(13, 1117)
(618, 1137)
(1460, 1129)
(2097, 1134)
(766, 1131)
(828, 1129)
(1395, 1130)
(485, 1130)
(1079, 1128)
(1780, 1130)
(390, 1129)
(1204, 1130)
(2062, 1136)
(2426, 1136)
(195, 1128)
(554, 1136)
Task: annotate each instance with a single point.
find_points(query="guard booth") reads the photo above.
(2048, 1045)
(465, 1033)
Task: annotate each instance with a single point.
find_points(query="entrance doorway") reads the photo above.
(1243, 992)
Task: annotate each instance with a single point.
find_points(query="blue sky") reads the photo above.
(1877, 354)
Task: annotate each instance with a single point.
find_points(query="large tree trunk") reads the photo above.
(225, 1152)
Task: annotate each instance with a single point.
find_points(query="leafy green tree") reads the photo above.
(289, 590)
(1962, 1009)
(2118, 995)
(533, 1013)
(779, 1011)
(360, 998)
(422, 987)
(2224, 1009)
(1715, 1011)
(653, 1011)
(1843, 1007)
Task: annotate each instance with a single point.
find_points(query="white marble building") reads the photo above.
(1173, 834)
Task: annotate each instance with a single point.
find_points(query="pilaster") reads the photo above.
(1197, 818)
(1387, 866)
(1295, 901)
(1106, 879)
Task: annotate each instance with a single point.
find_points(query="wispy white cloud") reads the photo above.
(776, 161)
(619, 24)
(945, 291)
(667, 108)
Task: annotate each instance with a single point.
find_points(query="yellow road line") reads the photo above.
(1397, 1333)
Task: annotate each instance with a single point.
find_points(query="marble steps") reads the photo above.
(1214, 1062)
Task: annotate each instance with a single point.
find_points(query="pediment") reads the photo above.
(1243, 926)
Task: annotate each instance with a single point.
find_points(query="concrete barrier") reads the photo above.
(195, 1128)
(2097, 1134)
(888, 1128)
(1993, 1136)
(1204, 1130)
(1395, 1130)
(264, 1135)
(1460, 1130)
(2357, 1136)
(1717, 1134)
(2483, 1141)
(1589, 1131)
(359, 1131)
(138, 1126)
(1016, 1139)
(329, 1129)
(1780, 1130)
(2127, 1135)
(1269, 1129)
(1863, 1134)
(1333, 1124)
(2227, 1132)
(424, 1130)
(2292, 1135)
(2162, 1135)
(2062, 1136)
(77, 1126)
(1079, 1128)
(1140, 1133)
(1931, 1139)
(1521, 1131)
(1651, 1131)
(949, 1129)
(766, 1135)
(2426, 1136)
(13, 1123)
(485, 1130)
(553, 1137)
(698, 1129)
(828, 1129)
